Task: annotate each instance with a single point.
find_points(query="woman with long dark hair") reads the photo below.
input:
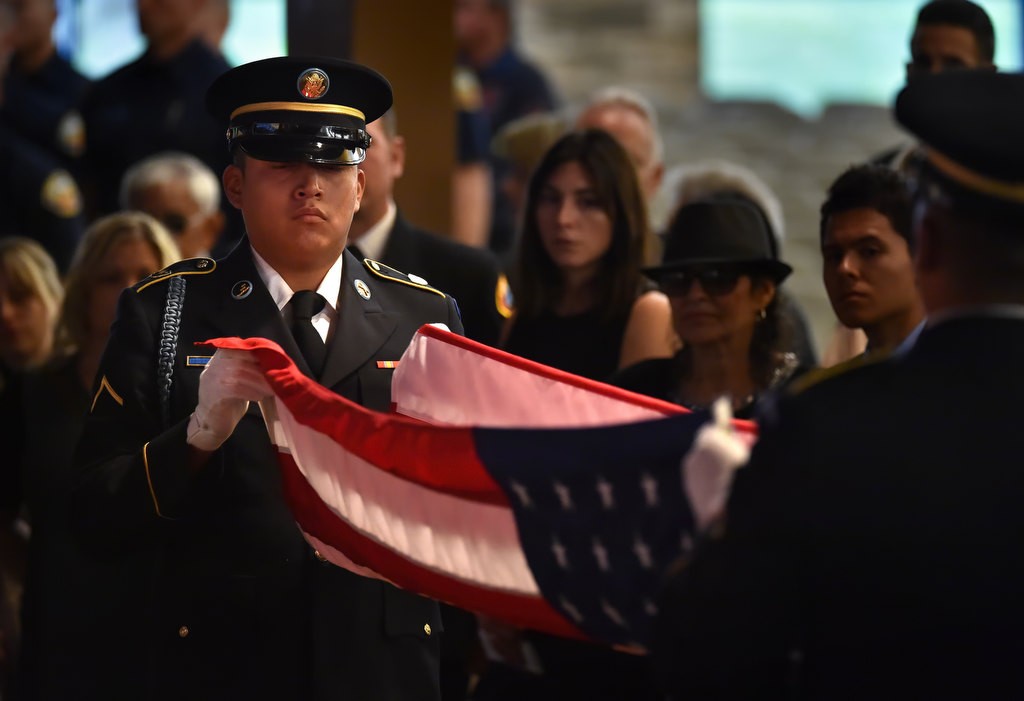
(582, 303)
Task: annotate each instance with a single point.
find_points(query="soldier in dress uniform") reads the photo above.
(38, 197)
(871, 548)
(175, 464)
(42, 88)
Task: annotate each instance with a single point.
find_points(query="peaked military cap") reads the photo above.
(300, 109)
(969, 123)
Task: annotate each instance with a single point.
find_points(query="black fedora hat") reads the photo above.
(300, 109)
(720, 231)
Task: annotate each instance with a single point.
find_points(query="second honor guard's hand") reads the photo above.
(708, 468)
(229, 382)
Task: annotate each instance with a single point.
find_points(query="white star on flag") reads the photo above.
(601, 555)
(568, 607)
(559, 550)
(650, 487)
(524, 496)
(613, 613)
(605, 489)
(564, 495)
(643, 553)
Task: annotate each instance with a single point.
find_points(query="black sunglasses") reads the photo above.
(717, 281)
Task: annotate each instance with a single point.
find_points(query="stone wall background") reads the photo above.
(653, 46)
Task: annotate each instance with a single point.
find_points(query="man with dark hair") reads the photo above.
(948, 35)
(867, 263)
(175, 466)
(951, 35)
(871, 548)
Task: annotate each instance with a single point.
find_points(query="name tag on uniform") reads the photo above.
(197, 361)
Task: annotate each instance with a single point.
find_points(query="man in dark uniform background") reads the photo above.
(42, 89)
(872, 547)
(379, 231)
(164, 90)
(38, 197)
(238, 605)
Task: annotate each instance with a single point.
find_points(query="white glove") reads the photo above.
(229, 382)
(708, 468)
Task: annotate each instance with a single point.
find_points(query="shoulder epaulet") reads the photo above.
(388, 273)
(816, 377)
(189, 266)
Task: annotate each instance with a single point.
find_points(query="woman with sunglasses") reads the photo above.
(582, 304)
(720, 273)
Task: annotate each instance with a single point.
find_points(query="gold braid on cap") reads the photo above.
(298, 107)
(975, 181)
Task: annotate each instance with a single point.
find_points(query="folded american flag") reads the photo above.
(536, 497)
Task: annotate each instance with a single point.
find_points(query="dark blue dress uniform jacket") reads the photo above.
(36, 104)
(146, 107)
(874, 546)
(238, 605)
(38, 198)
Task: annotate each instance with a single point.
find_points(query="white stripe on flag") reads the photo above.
(490, 388)
(472, 541)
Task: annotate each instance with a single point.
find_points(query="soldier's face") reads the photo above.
(867, 269)
(297, 215)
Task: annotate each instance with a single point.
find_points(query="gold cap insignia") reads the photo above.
(313, 83)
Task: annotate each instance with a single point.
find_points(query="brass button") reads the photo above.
(426, 628)
(183, 632)
(319, 557)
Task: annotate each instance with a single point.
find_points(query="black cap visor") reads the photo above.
(300, 141)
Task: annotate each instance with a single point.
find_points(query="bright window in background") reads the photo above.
(804, 54)
(101, 35)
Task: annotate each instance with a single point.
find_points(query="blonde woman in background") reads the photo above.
(61, 622)
(30, 295)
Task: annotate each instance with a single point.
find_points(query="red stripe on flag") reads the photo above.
(408, 449)
(316, 519)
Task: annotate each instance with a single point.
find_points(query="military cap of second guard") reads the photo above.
(300, 109)
(970, 123)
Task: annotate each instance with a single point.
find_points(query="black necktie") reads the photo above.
(305, 305)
